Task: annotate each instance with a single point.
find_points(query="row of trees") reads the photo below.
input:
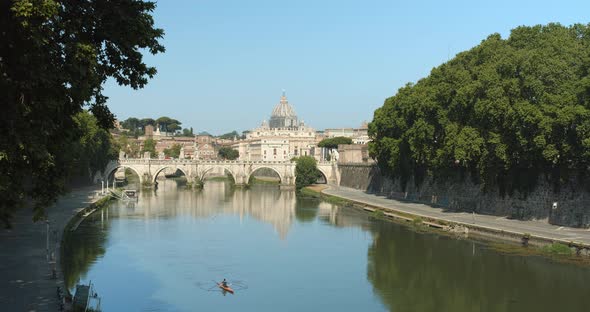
(232, 135)
(136, 126)
(331, 143)
(54, 58)
(504, 113)
(132, 149)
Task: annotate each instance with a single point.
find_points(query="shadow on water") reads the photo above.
(79, 252)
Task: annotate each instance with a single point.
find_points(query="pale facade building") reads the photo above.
(205, 151)
(358, 135)
(281, 139)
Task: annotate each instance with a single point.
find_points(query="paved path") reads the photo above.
(537, 228)
(25, 272)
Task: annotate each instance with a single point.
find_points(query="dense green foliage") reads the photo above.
(94, 148)
(132, 124)
(334, 142)
(188, 132)
(557, 249)
(168, 124)
(136, 126)
(173, 151)
(228, 153)
(503, 113)
(230, 135)
(54, 58)
(128, 145)
(149, 145)
(306, 171)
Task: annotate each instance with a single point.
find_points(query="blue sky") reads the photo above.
(227, 61)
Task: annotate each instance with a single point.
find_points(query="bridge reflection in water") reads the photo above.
(281, 245)
(272, 206)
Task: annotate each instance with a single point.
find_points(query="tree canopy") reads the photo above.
(334, 142)
(503, 113)
(129, 146)
(306, 171)
(168, 124)
(54, 58)
(137, 126)
(230, 135)
(188, 132)
(149, 145)
(173, 151)
(228, 153)
(131, 123)
(95, 148)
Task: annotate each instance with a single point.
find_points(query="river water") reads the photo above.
(283, 253)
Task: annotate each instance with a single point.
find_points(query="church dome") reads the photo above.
(283, 115)
(283, 109)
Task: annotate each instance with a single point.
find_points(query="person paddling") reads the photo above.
(224, 283)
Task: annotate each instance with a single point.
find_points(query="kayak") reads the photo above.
(226, 288)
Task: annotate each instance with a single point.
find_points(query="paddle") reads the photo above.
(212, 287)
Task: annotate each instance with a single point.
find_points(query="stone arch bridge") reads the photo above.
(195, 170)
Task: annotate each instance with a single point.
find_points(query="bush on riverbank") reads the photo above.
(558, 249)
(306, 171)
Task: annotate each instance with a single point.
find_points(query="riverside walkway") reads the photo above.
(535, 228)
(26, 281)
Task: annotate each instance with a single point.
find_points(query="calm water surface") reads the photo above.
(284, 253)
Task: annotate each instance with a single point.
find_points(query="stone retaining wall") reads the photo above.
(572, 203)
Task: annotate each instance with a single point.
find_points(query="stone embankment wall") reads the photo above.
(569, 207)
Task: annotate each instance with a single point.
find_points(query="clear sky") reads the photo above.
(227, 61)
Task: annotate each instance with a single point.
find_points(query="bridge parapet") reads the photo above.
(195, 170)
(189, 161)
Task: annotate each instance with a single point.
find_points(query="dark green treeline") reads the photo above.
(504, 113)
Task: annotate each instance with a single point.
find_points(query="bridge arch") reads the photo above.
(111, 170)
(255, 168)
(157, 172)
(209, 168)
(324, 175)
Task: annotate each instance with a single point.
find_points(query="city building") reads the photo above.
(281, 139)
(358, 135)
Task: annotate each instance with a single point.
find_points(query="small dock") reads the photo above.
(86, 299)
(81, 297)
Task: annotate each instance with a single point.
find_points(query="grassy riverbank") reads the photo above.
(218, 178)
(507, 244)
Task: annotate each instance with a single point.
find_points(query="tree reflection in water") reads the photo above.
(83, 247)
(408, 271)
(416, 272)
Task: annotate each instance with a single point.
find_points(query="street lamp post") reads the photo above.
(47, 239)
